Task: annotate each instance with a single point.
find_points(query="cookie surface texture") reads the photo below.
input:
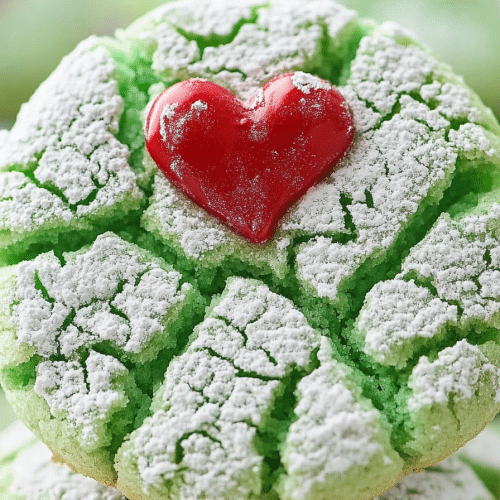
(153, 349)
(28, 472)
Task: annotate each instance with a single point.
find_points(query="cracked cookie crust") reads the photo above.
(153, 349)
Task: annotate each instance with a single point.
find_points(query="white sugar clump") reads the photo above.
(449, 258)
(65, 136)
(108, 292)
(449, 480)
(386, 175)
(285, 36)
(384, 69)
(337, 434)
(453, 101)
(215, 397)
(202, 18)
(410, 108)
(443, 391)
(474, 142)
(167, 113)
(454, 257)
(276, 335)
(319, 210)
(24, 206)
(305, 82)
(365, 118)
(176, 52)
(84, 396)
(324, 265)
(195, 229)
(77, 106)
(396, 315)
(459, 370)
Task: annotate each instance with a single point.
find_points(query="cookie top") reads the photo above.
(152, 348)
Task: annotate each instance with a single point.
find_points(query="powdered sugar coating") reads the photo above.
(336, 434)
(459, 370)
(459, 269)
(35, 477)
(365, 118)
(453, 101)
(442, 391)
(318, 210)
(85, 401)
(211, 414)
(399, 165)
(64, 140)
(275, 334)
(305, 82)
(25, 206)
(284, 36)
(474, 142)
(110, 292)
(396, 314)
(215, 397)
(79, 94)
(385, 69)
(181, 218)
(217, 401)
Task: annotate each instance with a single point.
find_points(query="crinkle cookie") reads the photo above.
(28, 473)
(155, 350)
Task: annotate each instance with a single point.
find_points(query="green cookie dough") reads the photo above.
(154, 350)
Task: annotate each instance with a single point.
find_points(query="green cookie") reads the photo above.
(155, 350)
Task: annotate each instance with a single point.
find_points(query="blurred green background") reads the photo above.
(35, 34)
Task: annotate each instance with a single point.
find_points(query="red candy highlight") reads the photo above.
(246, 163)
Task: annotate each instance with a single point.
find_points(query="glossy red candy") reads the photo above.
(246, 163)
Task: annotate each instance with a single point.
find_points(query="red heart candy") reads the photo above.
(248, 162)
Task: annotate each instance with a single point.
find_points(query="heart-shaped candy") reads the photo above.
(248, 162)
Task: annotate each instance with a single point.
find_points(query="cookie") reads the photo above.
(154, 348)
(28, 473)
